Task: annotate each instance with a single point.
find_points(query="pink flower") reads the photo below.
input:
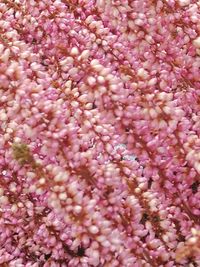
(99, 133)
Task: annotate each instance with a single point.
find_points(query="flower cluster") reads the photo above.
(77, 79)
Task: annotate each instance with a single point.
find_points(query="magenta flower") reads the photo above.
(99, 133)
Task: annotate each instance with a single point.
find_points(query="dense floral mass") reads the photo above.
(99, 133)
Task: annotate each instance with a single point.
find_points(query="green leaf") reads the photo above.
(21, 153)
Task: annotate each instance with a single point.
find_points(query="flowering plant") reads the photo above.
(84, 86)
